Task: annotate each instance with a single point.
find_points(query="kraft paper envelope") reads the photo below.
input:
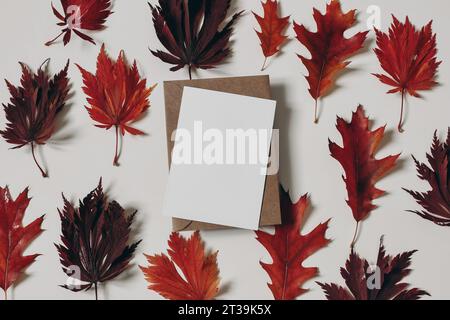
(256, 86)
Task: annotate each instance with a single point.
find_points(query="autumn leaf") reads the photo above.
(436, 202)
(15, 238)
(117, 96)
(199, 278)
(94, 242)
(289, 248)
(408, 56)
(362, 170)
(79, 16)
(328, 47)
(378, 282)
(33, 108)
(272, 29)
(190, 31)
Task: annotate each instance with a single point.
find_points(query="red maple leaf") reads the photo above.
(200, 274)
(117, 95)
(362, 170)
(364, 282)
(328, 47)
(289, 248)
(436, 202)
(34, 107)
(272, 29)
(80, 15)
(409, 58)
(15, 238)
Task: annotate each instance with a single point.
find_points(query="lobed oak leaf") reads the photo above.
(328, 47)
(78, 15)
(436, 202)
(33, 108)
(199, 278)
(289, 249)
(408, 56)
(272, 29)
(379, 282)
(117, 96)
(94, 242)
(15, 238)
(190, 31)
(362, 170)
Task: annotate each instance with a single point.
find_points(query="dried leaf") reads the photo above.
(328, 47)
(409, 58)
(78, 15)
(200, 274)
(117, 96)
(379, 282)
(362, 170)
(436, 202)
(15, 238)
(289, 249)
(94, 241)
(272, 34)
(33, 109)
(189, 30)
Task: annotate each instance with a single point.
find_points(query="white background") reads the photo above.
(80, 153)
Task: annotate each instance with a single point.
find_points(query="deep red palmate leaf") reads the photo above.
(117, 96)
(78, 15)
(328, 47)
(362, 170)
(34, 106)
(436, 202)
(15, 238)
(190, 31)
(272, 34)
(289, 249)
(199, 278)
(379, 282)
(95, 241)
(408, 56)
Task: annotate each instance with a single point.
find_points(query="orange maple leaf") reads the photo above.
(200, 273)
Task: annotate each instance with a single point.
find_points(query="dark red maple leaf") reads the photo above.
(33, 108)
(379, 282)
(436, 202)
(117, 95)
(95, 239)
(362, 170)
(15, 238)
(409, 58)
(289, 249)
(328, 47)
(189, 30)
(272, 29)
(200, 274)
(80, 15)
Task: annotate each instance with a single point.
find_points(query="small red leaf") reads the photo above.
(409, 58)
(289, 248)
(362, 170)
(200, 274)
(14, 237)
(272, 29)
(328, 47)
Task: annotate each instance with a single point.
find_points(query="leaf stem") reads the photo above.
(116, 155)
(6, 295)
(96, 291)
(190, 72)
(49, 43)
(355, 236)
(44, 174)
(400, 124)
(264, 64)
(316, 119)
